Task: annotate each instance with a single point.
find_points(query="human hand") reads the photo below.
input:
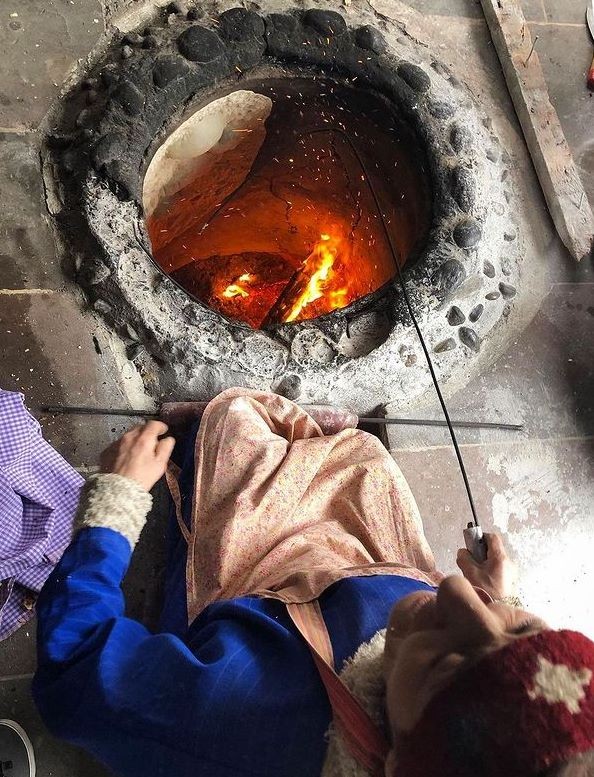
(139, 454)
(497, 575)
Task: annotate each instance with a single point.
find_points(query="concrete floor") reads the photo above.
(535, 486)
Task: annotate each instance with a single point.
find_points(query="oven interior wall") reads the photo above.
(237, 235)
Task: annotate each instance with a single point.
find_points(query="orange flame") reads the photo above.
(236, 289)
(319, 267)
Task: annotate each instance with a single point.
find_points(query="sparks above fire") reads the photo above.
(259, 205)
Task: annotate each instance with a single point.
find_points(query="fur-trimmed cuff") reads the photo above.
(512, 601)
(113, 502)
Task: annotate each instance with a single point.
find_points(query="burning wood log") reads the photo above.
(315, 280)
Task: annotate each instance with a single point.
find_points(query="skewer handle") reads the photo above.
(475, 542)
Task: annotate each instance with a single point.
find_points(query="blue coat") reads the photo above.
(237, 694)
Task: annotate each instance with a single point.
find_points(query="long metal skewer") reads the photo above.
(153, 414)
(431, 422)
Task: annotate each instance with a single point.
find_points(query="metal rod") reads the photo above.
(428, 422)
(70, 409)
(75, 410)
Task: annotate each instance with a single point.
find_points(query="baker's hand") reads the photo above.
(496, 575)
(139, 454)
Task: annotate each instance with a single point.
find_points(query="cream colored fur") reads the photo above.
(114, 502)
(364, 677)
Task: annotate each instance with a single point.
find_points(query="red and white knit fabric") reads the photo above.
(516, 712)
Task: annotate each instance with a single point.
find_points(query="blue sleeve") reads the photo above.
(131, 697)
(99, 673)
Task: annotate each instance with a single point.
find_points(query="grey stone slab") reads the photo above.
(41, 41)
(570, 11)
(465, 8)
(53, 757)
(18, 654)
(533, 9)
(539, 495)
(49, 354)
(80, 439)
(27, 251)
(561, 266)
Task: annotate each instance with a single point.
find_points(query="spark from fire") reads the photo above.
(318, 267)
(236, 289)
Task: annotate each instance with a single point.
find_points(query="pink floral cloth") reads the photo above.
(281, 510)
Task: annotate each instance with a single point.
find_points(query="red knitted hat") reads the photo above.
(519, 710)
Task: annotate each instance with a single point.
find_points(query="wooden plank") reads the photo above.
(556, 170)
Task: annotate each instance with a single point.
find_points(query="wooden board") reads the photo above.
(556, 170)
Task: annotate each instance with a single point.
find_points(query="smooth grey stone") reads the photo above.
(167, 68)
(467, 233)
(239, 24)
(460, 138)
(199, 44)
(325, 22)
(455, 316)
(445, 345)
(150, 42)
(463, 188)
(469, 338)
(441, 109)
(450, 275)
(507, 290)
(289, 387)
(129, 97)
(488, 269)
(370, 39)
(414, 76)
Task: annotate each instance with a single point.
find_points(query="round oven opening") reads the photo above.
(264, 204)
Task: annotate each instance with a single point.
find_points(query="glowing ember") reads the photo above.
(319, 274)
(236, 289)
